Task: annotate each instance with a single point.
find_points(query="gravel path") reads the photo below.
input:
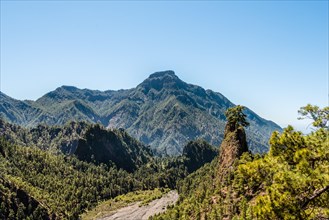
(134, 212)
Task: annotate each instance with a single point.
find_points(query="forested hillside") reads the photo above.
(290, 182)
(89, 142)
(197, 153)
(63, 185)
(40, 180)
(57, 139)
(34, 182)
(101, 146)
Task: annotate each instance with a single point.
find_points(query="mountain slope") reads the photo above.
(14, 201)
(102, 146)
(289, 182)
(38, 184)
(91, 143)
(163, 112)
(17, 111)
(197, 154)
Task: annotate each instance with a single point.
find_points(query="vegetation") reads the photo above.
(319, 116)
(234, 143)
(163, 112)
(195, 194)
(109, 206)
(235, 117)
(89, 142)
(15, 203)
(166, 172)
(65, 186)
(197, 153)
(59, 172)
(57, 185)
(57, 139)
(112, 146)
(290, 182)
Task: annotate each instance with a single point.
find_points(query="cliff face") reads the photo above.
(101, 146)
(232, 147)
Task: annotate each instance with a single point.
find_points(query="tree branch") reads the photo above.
(316, 194)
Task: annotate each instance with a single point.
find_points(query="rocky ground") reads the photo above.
(135, 212)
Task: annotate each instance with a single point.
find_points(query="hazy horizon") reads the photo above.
(269, 56)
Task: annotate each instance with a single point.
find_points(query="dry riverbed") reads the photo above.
(135, 212)
(136, 205)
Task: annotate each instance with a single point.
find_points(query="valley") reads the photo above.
(44, 175)
(143, 212)
(148, 153)
(164, 110)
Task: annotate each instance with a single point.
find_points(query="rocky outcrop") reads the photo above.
(232, 147)
(99, 145)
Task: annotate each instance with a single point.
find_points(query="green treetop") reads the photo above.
(319, 116)
(235, 117)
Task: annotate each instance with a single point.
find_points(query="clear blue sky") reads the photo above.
(270, 56)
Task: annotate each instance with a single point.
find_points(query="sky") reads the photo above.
(271, 56)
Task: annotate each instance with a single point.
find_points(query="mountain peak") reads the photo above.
(163, 74)
(163, 111)
(163, 79)
(69, 88)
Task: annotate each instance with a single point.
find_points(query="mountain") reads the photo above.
(36, 184)
(94, 144)
(163, 112)
(198, 153)
(88, 142)
(102, 146)
(16, 111)
(47, 184)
